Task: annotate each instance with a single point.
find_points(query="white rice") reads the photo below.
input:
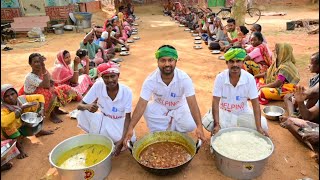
(242, 146)
(273, 114)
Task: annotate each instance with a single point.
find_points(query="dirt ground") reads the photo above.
(290, 160)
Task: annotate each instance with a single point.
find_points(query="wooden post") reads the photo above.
(239, 11)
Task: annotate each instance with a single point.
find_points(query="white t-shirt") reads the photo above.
(31, 83)
(115, 109)
(171, 96)
(105, 35)
(234, 99)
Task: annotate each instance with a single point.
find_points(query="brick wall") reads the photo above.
(7, 14)
(91, 7)
(59, 12)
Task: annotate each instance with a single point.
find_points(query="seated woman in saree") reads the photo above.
(38, 82)
(12, 107)
(108, 41)
(121, 34)
(64, 74)
(280, 78)
(259, 56)
(83, 66)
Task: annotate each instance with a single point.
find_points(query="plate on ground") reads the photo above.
(197, 47)
(136, 38)
(192, 31)
(187, 29)
(221, 58)
(116, 60)
(195, 35)
(197, 42)
(134, 33)
(123, 49)
(216, 52)
(124, 53)
(197, 38)
(135, 24)
(130, 41)
(214, 36)
(134, 30)
(181, 25)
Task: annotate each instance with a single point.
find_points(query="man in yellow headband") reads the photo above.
(232, 89)
(174, 105)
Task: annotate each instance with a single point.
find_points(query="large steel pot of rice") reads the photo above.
(235, 168)
(97, 171)
(164, 136)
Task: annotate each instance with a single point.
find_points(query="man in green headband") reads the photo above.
(232, 89)
(173, 105)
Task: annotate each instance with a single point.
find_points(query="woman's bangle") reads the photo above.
(75, 71)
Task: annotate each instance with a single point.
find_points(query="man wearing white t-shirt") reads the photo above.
(114, 100)
(173, 105)
(232, 89)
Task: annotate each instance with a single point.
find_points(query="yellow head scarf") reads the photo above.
(286, 65)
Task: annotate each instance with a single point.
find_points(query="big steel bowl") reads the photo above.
(98, 171)
(275, 109)
(239, 169)
(164, 136)
(28, 128)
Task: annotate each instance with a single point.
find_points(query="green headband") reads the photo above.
(166, 52)
(235, 53)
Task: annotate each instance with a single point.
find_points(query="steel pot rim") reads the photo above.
(239, 129)
(53, 164)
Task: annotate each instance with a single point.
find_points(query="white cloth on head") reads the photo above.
(159, 118)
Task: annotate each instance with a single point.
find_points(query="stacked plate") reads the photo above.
(197, 42)
(124, 53)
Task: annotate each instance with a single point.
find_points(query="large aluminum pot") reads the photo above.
(164, 136)
(95, 172)
(239, 169)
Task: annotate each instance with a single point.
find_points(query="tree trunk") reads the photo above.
(239, 11)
